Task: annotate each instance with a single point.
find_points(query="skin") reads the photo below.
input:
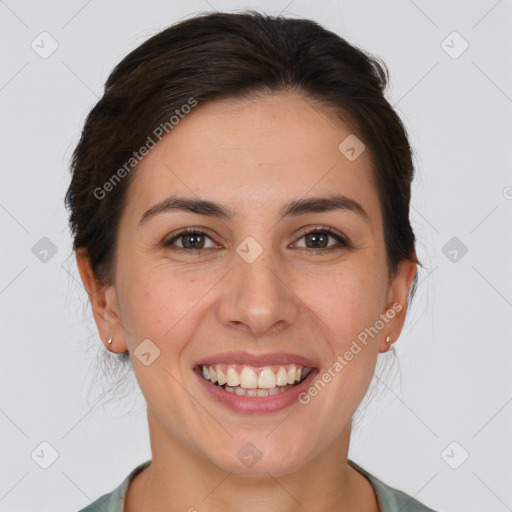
(252, 156)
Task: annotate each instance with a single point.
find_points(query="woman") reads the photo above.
(239, 205)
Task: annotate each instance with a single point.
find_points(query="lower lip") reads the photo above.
(256, 404)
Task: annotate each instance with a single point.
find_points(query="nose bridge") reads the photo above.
(257, 297)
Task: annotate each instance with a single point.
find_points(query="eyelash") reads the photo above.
(342, 241)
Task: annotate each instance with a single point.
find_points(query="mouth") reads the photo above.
(251, 381)
(255, 384)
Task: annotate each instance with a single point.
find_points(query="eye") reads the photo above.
(192, 240)
(318, 238)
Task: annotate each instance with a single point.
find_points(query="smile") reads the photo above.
(244, 380)
(254, 384)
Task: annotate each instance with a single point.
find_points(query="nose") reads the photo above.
(257, 299)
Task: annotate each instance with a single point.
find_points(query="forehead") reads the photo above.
(256, 152)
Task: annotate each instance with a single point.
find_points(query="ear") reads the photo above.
(103, 303)
(396, 302)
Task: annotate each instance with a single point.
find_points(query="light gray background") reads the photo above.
(454, 353)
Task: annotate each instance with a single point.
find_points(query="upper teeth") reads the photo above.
(249, 377)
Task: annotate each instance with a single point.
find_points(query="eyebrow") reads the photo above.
(292, 209)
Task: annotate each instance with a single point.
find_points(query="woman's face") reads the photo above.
(259, 292)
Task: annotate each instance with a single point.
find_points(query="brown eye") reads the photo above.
(191, 240)
(318, 238)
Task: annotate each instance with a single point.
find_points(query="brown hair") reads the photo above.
(232, 55)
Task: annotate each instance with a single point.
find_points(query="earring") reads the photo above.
(109, 341)
(388, 339)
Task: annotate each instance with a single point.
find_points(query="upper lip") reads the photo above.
(256, 360)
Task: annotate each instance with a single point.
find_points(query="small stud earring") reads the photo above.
(109, 341)
(388, 339)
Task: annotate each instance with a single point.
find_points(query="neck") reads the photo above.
(180, 479)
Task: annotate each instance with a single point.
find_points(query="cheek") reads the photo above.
(165, 311)
(159, 308)
(348, 302)
(349, 305)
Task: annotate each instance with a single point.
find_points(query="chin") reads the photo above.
(260, 457)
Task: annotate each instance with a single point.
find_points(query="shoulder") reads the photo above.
(106, 503)
(114, 501)
(389, 498)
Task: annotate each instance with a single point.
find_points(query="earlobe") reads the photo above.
(396, 307)
(103, 304)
